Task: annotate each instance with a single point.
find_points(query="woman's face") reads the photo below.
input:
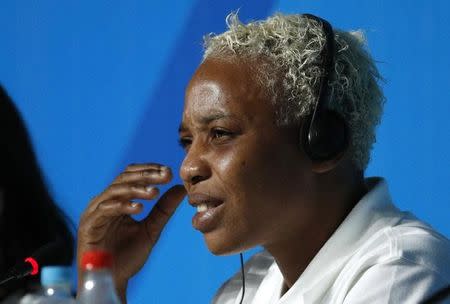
(245, 175)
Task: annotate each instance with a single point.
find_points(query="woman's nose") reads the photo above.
(195, 167)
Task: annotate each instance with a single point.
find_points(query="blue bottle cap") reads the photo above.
(56, 275)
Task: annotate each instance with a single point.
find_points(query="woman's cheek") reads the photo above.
(229, 165)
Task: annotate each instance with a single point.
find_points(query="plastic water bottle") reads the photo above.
(56, 285)
(56, 282)
(98, 286)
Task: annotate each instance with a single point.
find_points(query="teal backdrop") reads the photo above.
(100, 84)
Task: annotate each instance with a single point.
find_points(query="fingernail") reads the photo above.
(134, 205)
(149, 189)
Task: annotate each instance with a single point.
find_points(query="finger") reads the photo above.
(145, 177)
(141, 167)
(124, 192)
(162, 211)
(93, 226)
(115, 208)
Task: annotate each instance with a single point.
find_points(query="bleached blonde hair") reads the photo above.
(290, 46)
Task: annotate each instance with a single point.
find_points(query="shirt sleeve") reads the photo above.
(398, 281)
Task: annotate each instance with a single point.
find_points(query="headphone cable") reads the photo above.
(243, 278)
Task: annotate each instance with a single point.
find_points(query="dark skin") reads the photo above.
(272, 195)
(106, 223)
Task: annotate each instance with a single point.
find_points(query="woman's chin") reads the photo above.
(221, 245)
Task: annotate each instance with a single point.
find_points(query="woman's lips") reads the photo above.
(207, 220)
(209, 211)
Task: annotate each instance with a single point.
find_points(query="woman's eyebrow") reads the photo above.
(213, 116)
(182, 128)
(204, 120)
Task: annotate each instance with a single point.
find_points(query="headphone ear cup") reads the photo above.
(326, 138)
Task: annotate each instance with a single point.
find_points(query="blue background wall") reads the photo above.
(100, 84)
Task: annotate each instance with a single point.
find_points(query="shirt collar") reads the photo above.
(372, 210)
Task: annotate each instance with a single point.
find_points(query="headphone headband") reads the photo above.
(327, 53)
(326, 135)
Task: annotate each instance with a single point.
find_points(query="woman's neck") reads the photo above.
(295, 252)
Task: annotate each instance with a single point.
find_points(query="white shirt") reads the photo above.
(377, 255)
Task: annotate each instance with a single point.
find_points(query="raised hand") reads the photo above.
(107, 224)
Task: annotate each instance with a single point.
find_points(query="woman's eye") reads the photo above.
(185, 142)
(220, 133)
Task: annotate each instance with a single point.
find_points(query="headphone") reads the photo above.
(324, 134)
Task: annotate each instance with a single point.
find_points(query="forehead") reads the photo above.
(229, 87)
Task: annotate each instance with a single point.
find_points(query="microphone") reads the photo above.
(45, 255)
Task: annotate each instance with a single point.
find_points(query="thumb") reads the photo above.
(162, 211)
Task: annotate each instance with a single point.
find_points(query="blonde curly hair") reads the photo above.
(291, 47)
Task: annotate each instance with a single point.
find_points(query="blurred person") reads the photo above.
(278, 123)
(29, 217)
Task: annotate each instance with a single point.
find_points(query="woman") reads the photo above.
(29, 218)
(262, 170)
